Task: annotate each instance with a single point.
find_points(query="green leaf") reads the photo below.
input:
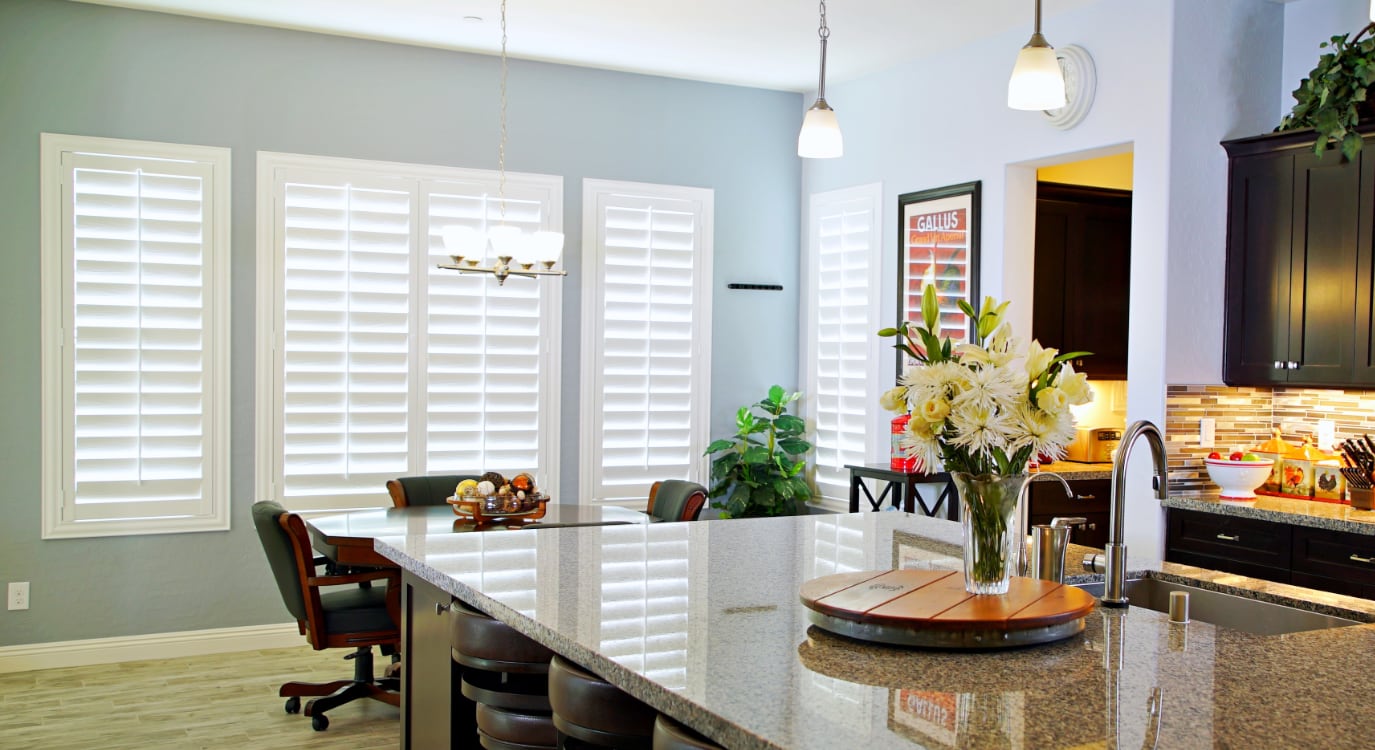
(756, 454)
(1070, 355)
(790, 423)
(1351, 146)
(776, 394)
(966, 308)
(718, 445)
(794, 446)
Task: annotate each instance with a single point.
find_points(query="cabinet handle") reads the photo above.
(1228, 538)
(1360, 559)
(1279, 365)
(1085, 497)
(1293, 365)
(1092, 526)
(440, 608)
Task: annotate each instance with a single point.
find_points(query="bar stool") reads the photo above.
(591, 710)
(506, 674)
(670, 735)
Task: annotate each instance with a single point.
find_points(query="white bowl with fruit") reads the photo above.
(1239, 474)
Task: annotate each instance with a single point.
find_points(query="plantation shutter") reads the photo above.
(646, 345)
(484, 347)
(142, 442)
(843, 326)
(346, 328)
(644, 600)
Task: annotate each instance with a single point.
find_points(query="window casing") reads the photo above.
(135, 346)
(646, 346)
(840, 348)
(375, 364)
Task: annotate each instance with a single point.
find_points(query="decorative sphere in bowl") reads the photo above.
(1238, 479)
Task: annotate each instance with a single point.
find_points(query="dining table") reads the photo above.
(347, 538)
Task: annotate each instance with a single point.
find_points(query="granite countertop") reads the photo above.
(1320, 515)
(703, 622)
(1072, 471)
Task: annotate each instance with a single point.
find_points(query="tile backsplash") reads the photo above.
(1246, 416)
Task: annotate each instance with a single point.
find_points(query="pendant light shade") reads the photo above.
(1037, 81)
(820, 135)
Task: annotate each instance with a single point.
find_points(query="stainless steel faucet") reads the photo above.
(1115, 571)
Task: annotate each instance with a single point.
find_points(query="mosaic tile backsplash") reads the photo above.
(1245, 418)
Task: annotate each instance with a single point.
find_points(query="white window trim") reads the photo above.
(54, 322)
(268, 433)
(876, 437)
(593, 301)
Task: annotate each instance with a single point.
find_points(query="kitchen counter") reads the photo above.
(1318, 515)
(1072, 471)
(702, 621)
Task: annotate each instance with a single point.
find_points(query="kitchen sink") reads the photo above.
(1224, 610)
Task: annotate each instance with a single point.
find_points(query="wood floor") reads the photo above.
(222, 701)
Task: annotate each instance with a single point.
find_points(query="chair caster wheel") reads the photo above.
(293, 705)
(319, 722)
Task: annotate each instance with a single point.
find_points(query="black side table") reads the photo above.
(901, 486)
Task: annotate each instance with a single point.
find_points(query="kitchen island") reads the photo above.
(702, 621)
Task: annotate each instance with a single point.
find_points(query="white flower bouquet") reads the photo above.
(983, 409)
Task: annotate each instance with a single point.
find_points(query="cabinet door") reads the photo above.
(1259, 549)
(434, 714)
(1259, 239)
(1322, 302)
(1363, 369)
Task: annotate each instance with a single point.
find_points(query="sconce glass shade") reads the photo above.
(820, 136)
(1037, 81)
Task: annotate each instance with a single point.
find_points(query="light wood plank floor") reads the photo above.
(221, 701)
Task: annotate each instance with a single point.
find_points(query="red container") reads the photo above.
(899, 460)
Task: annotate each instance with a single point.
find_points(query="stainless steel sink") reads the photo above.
(1224, 610)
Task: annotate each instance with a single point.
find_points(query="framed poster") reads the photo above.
(938, 244)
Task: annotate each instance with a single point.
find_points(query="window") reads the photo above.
(135, 352)
(840, 348)
(375, 364)
(646, 337)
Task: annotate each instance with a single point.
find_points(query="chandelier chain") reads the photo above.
(823, 31)
(501, 144)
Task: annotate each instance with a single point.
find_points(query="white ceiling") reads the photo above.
(764, 43)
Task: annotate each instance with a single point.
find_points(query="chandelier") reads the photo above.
(517, 253)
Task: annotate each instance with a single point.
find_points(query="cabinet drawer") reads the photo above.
(1335, 554)
(1228, 565)
(1047, 498)
(1243, 540)
(1334, 585)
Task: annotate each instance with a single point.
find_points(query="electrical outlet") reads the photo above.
(1327, 435)
(18, 595)
(1207, 432)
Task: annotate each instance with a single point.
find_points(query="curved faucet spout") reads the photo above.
(1116, 548)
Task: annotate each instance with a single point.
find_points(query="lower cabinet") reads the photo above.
(434, 713)
(1335, 561)
(1047, 501)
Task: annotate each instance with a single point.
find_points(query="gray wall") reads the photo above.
(92, 70)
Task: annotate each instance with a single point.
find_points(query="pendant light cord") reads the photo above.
(824, 32)
(501, 145)
(1036, 30)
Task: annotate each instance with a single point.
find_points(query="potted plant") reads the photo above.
(759, 471)
(1332, 99)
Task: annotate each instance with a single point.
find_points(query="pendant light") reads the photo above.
(820, 136)
(517, 253)
(1037, 81)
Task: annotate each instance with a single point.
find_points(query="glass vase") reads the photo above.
(988, 511)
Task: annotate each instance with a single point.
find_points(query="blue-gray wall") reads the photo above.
(91, 70)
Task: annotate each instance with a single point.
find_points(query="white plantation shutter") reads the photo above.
(646, 329)
(839, 352)
(375, 364)
(135, 356)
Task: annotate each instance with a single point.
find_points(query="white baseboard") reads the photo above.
(24, 658)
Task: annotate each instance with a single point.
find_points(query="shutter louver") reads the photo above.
(645, 363)
(139, 342)
(842, 302)
(346, 363)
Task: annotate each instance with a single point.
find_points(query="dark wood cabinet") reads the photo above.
(1083, 274)
(1047, 501)
(434, 713)
(1298, 229)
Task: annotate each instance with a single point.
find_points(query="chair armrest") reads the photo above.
(392, 576)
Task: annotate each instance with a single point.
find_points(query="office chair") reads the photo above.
(426, 490)
(354, 617)
(676, 500)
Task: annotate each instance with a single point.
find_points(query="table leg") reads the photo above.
(854, 492)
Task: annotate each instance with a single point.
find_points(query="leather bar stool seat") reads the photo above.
(670, 735)
(502, 729)
(501, 667)
(595, 712)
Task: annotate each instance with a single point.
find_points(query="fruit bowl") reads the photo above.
(1238, 479)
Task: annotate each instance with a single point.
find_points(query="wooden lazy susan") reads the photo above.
(931, 608)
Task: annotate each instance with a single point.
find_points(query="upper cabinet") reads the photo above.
(1083, 275)
(1298, 237)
